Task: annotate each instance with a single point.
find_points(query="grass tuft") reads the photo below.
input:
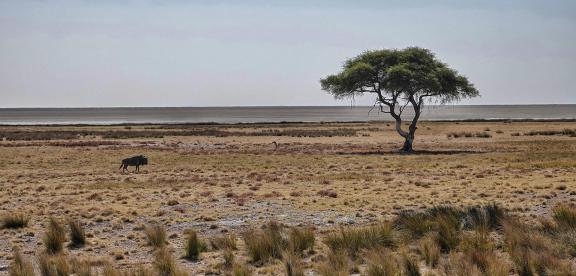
(226, 241)
(19, 266)
(77, 234)
(353, 240)
(165, 264)
(156, 235)
(14, 220)
(54, 237)
(300, 240)
(293, 264)
(262, 245)
(381, 263)
(241, 270)
(564, 216)
(193, 246)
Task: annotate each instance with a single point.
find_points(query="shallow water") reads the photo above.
(29, 116)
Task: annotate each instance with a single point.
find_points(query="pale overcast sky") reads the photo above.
(74, 53)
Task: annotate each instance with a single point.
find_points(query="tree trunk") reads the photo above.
(407, 147)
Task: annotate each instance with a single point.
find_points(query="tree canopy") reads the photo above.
(397, 78)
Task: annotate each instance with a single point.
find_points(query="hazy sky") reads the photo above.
(230, 53)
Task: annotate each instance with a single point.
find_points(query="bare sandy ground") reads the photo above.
(222, 184)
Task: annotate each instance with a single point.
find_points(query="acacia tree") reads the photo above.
(398, 78)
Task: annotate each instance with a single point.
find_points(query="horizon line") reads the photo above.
(271, 106)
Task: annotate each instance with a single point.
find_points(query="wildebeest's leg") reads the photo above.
(137, 168)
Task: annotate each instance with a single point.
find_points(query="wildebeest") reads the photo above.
(136, 161)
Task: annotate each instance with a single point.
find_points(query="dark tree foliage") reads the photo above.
(398, 78)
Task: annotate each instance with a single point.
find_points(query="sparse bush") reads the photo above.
(193, 246)
(301, 239)
(352, 240)
(77, 235)
(328, 193)
(156, 235)
(19, 266)
(469, 135)
(14, 220)
(223, 242)
(265, 244)
(54, 237)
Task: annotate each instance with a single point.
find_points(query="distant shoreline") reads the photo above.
(560, 120)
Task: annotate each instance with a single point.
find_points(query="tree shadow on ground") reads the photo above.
(416, 152)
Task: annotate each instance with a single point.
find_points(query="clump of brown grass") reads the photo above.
(224, 241)
(430, 251)
(293, 264)
(448, 232)
(457, 264)
(20, 266)
(353, 240)
(77, 234)
(300, 240)
(328, 193)
(410, 265)
(530, 251)
(14, 220)
(564, 216)
(81, 267)
(228, 258)
(241, 270)
(382, 262)
(265, 244)
(53, 265)
(156, 235)
(193, 246)
(54, 237)
(165, 264)
(337, 263)
(469, 135)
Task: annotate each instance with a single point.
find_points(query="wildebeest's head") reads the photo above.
(144, 160)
